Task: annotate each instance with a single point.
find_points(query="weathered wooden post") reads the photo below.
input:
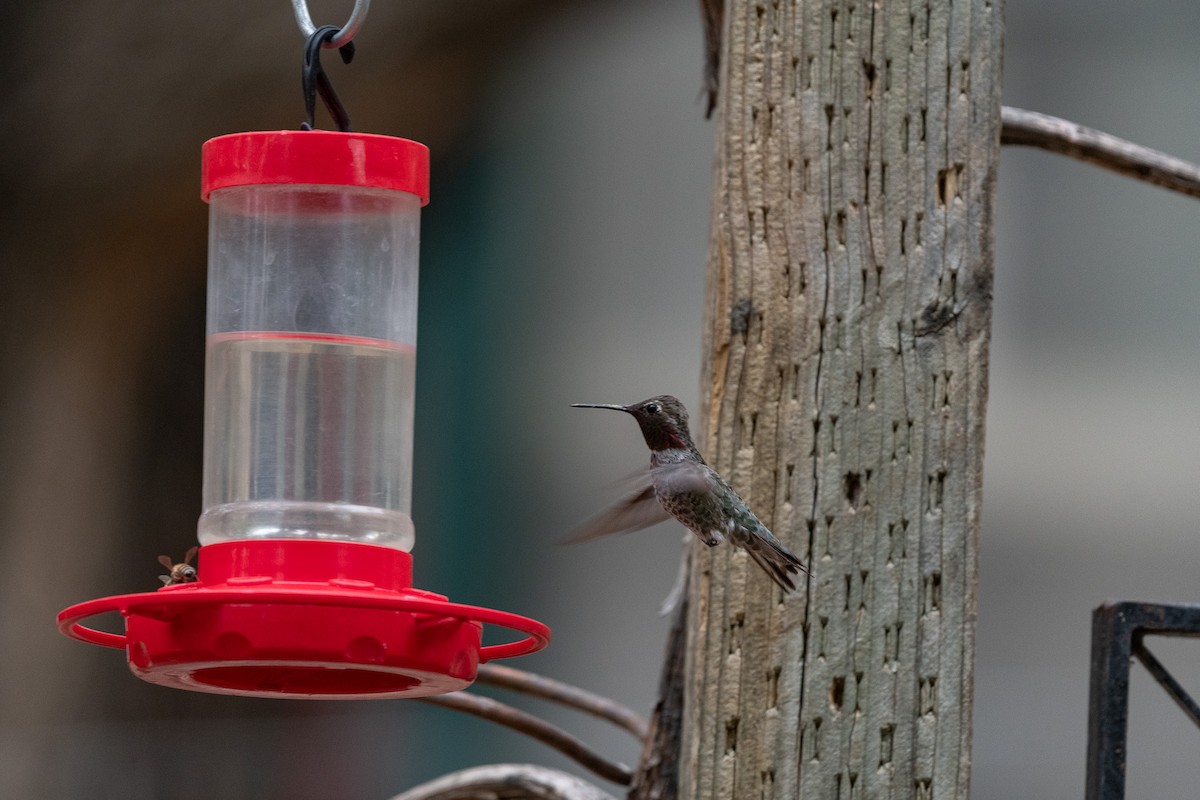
(849, 305)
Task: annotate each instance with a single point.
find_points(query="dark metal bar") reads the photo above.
(1108, 705)
(1118, 629)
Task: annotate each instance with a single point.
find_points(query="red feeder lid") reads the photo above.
(315, 157)
(303, 619)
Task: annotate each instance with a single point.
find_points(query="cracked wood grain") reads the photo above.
(848, 315)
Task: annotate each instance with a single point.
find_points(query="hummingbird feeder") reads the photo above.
(304, 579)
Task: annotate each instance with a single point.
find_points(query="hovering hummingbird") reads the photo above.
(680, 484)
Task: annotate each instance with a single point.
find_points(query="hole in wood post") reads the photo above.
(932, 598)
(852, 489)
(837, 693)
(886, 734)
(947, 185)
(927, 695)
(735, 633)
(936, 487)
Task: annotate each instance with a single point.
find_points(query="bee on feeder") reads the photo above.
(183, 572)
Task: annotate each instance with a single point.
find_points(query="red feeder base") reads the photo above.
(303, 619)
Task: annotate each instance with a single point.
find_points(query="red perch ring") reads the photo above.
(303, 619)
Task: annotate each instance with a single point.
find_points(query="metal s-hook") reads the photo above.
(344, 35)
(313, 79)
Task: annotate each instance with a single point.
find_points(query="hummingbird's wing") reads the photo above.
(638, 509)
(686, 477)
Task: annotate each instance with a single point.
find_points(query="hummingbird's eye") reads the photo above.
(652, 408)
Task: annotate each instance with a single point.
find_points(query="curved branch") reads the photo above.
(1061, 136)
(564, 693)
(506, 782)
(538, 728)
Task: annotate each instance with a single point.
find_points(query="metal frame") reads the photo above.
(1119, 629)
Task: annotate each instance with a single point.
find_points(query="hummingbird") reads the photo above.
(680, 484)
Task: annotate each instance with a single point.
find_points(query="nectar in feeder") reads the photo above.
(311, 349)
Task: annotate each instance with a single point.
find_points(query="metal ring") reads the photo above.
(343, 36)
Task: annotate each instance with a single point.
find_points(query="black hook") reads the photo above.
(313, 79)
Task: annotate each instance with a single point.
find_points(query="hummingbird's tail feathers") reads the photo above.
(773, 557)
(631, 513)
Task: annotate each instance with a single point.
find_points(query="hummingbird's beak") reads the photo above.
(600, 405)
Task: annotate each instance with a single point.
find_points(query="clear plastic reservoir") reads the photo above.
(312, 305)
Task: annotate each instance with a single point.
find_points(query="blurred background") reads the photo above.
(563, 259)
